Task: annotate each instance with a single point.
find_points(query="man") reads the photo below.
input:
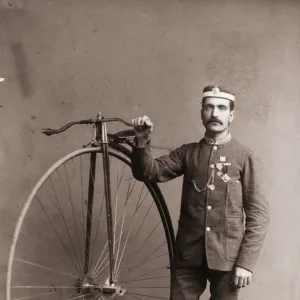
(224, 215)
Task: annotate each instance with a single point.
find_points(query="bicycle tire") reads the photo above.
(115, 151)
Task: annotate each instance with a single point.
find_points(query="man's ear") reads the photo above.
(232, 114)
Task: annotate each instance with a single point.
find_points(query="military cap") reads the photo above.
(217, 92)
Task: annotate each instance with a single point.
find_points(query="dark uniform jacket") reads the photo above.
(224, 215)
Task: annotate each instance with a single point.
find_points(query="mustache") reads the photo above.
(212, 120)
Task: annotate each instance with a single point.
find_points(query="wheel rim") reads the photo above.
(48, 250)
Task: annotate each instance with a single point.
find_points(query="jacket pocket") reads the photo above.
(190, 244)
(234, 199)
(234, 237)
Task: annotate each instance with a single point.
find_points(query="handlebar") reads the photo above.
(50, 131)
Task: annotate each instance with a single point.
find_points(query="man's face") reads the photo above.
(216, 114)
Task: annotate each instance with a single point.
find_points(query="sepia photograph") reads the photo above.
(149, 149)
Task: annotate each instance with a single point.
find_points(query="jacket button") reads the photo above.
(207, 228)
(209, 207)
(215, 147)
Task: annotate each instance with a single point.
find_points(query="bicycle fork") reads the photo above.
(100, 135)
(107, 189)
(88, 284)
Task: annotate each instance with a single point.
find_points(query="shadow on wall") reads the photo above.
(13, 17)
(21, 68)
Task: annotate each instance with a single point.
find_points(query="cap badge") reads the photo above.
(216, 89)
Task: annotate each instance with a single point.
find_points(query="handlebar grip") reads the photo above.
(50, 131)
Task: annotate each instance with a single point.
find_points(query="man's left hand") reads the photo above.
(241, 277)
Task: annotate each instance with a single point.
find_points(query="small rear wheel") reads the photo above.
(60, 245)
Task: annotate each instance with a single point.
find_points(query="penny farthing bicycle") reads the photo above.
(89, 230)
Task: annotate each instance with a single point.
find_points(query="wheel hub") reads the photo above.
(89, 286)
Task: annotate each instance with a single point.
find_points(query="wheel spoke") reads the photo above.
(134, 297)
(121, 233)
(147, 258)
(154, 251)
(45, 267)
(79, 297)
(35, 296)
(144, 279)
(118, 269)
(58, 236)
(145, 242)
(55, 287)
(82, 202)
(116, 195)
(49, 279)
(119, 266)
(99, 259)
(147, 296)
(139, 200)
(45, 245)
(136, 233)
(99, 219)
(96, 268)
(97, 272)
(74, 218)
(150, 272)
(149, 287)
(145, 261)
(98, 223)
(68, 298)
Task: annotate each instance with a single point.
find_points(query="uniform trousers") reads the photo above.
(189, 283)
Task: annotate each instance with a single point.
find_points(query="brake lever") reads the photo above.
(84, 146)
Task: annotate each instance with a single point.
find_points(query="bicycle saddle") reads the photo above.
(126, 134)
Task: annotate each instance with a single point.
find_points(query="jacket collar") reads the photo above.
(221, 141)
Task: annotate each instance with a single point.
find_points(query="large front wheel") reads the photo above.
(60, 246)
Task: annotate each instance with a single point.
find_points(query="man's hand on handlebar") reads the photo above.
(143, 128)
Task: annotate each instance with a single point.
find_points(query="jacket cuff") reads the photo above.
(243, 268)
(135, 144)
(246, 261)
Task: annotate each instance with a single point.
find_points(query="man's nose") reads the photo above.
(215, 112)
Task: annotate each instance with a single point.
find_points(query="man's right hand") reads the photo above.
(143, 128)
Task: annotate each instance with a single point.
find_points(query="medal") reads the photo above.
(222, 158)
(219, 166)
(227, 164)
(225, 177)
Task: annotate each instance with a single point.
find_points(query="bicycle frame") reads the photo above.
(100, 138)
